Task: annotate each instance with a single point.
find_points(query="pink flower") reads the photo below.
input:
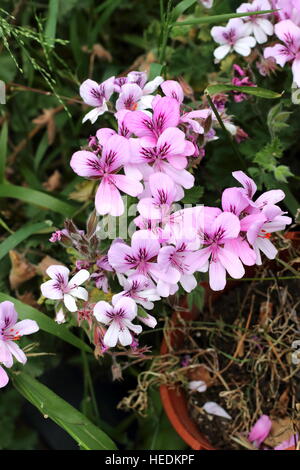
(259, 226)
(167, 155)
(218, 230)
(176, 264)
(134, 96)
(233, 37)
(258, 25)
(119, 317)
(165, 114)
(138, 257)
(249, 189)
(163, 192)
(96, 95)
(287, 10)
(140, 288)
(114, 155)
(59, 287)
(289, 34)
(260, 430)
(10, 332)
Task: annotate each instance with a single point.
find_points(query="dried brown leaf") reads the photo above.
(21, 270)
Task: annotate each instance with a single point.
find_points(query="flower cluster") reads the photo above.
(10, 332)
(148, 157)
(241, 35)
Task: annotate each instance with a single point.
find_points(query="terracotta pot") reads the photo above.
(174, 398)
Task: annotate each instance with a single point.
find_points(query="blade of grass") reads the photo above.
(45, 323)
(215, 19)
(50, 30)
(37, 198)
(3, 151)
(80, 428)
(20, 235)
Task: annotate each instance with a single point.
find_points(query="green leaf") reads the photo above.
(15, 239)
(193, 195)
(50, 30)
(215, 19)
(45, 323)
(250, 90)
(80, 428)
(196, 297)
(37, 198)
(3, 151)
(155, 70)
(181, 8)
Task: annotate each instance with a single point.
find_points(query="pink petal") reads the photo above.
(172, 89)
(3, 378)
(70, 303)
(108, 199)
(296, 71)
(247, 183)
(129, 96)
(125, 337)
(231, 263)
(280, 53)
(115, 153)
(288, 32)
(17, 352)
(119, 256)
(270, 197)
(217, 275)
(166, 113)
(140, 124)
(5, 355)
(90, 92)
(145, 241)
(111, 336)
(162, 188)
(51, 290)
(86, 164)
(234, 201)
(128, 185)
(104, 134)
(151, 86)
(228, 224)
(127, 306)
(103, 311)
(26, 327)
(8, 314)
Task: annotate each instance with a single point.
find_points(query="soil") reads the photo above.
(250, 364)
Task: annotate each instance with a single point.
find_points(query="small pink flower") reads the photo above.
(119, 317)
(233, 37)
(59, 287)
(218, 230)
(260, 430)
(140, 288)
(114, 155)
(163, 191)
(96, 95)
(138, 257)
(258, 25)
(10, 332)
(289, 51)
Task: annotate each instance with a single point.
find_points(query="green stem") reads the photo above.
(89, 387)
(227, 134)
